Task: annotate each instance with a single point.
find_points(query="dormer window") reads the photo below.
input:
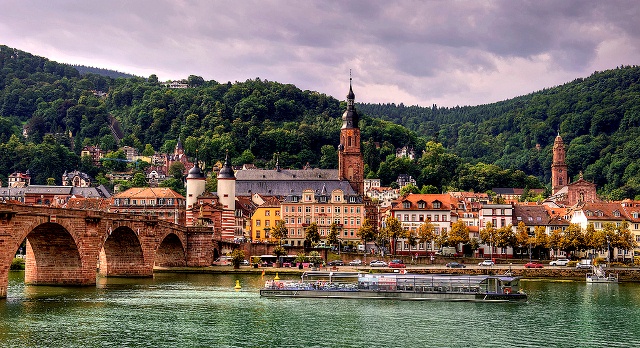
(436, 205)
(421, 205)
(406, 205)
(616, 213)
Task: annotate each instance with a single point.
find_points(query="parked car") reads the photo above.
(487, 263)
(559, 262)
(336, 263)
(355, 262)
(532, 265)
(455, 265)
(245, 262)
(397, 264)
(377, 263)
(581, 265)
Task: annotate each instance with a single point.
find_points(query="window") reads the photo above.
(406, 205)
(258, 234)
(444, 217)
(257, 222)
(421, 205)
(286, 209)
(436, 218)
(337, 209)
(267, 213)
(307, 209)
(436, 205)
(420, 217)
(357, 210)
(299, 209)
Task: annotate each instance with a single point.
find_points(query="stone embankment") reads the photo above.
(624, 274)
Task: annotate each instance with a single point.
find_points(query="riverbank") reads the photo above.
(624, 274)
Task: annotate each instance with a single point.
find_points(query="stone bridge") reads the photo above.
(67, 246)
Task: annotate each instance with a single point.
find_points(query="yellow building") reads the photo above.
(264, 219)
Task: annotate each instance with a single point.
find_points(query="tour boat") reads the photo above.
(598, 275)
(399, 286)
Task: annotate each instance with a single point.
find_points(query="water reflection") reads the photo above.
(204, 310)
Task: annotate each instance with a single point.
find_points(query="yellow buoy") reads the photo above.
(237, 287)
(276, 278)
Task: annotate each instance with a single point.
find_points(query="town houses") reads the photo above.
(249, 202)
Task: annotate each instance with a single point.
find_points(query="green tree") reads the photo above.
(329, 158)
(115, 161)
(237, 256)
(409, 188)
(148, 150)
(176, 170)
(332, 237)
(139, 180)
(311, 234)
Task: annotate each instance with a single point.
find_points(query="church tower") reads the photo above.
(350, 161)
(558, 166)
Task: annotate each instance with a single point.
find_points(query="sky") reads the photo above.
(449, 53)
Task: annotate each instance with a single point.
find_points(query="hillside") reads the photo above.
(468, 148)
(598, 117)
(83, 70)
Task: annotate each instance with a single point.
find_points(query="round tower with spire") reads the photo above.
(558, 166)
(227, 186)
(196, 182)
(350, 160)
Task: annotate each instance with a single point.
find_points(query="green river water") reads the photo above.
(203, 310)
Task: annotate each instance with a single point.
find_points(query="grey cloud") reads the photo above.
(430, 51)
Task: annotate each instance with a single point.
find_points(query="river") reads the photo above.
(203, 310)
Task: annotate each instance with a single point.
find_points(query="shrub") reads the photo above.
(17, 264)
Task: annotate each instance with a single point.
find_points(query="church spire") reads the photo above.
(350, 117)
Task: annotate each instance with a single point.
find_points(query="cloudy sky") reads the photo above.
(415, 52)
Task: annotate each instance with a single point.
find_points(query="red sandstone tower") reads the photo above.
(350, 161)
(558, 166)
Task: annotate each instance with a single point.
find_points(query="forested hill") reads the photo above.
(598, 118)
(256, 120)
(99, 71)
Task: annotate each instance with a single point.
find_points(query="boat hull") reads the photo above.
(395, 295)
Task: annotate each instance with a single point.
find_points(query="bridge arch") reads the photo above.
(122, 254)
(52, 256)
(171, 252)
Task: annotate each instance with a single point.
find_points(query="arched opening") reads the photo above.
(171, 253)
(122, 255)
(52, 257)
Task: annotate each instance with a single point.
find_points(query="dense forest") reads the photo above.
(598, 118)
(506, 144)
